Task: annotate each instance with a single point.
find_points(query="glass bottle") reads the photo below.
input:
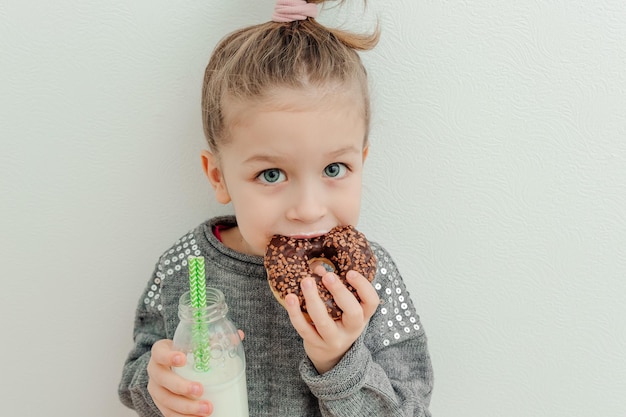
(206, 334)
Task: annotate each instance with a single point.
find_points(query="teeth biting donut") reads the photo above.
(289, 260)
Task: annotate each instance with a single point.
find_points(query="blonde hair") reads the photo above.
(249, 62)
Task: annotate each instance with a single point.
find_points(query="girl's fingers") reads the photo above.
(355, 313)
(318, 268)
(367, 293)
(174, 383)
(344, 298)
(163, 354)
(174, 395)
(174, 405)
(161, 374)
(298, 320)
(316, 308)
(342, 295)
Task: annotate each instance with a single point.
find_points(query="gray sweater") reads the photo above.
(387, 372)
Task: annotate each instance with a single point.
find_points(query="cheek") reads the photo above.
(256, 206)
(355, 210)
(255, 217)
(349, 204)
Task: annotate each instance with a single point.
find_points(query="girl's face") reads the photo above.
(292, 166)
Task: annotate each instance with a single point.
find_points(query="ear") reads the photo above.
(213, 171)
(366, 150)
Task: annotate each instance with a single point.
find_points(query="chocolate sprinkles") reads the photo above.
(287, 262)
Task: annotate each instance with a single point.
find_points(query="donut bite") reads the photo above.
(289, 260)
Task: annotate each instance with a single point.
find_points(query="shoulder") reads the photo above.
(175, 257)
(171, 267)
(386, 270)
(194, 242)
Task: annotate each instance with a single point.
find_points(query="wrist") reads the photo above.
(323, 366)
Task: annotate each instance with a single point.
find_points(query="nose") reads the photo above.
(307, 204)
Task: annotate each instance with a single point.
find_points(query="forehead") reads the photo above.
(290, 126)
(346, 96)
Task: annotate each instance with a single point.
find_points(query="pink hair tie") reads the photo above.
(290, 10)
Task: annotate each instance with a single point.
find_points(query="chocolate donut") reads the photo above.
(289, 260)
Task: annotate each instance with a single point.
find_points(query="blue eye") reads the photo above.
(271, 176)
(335, 170)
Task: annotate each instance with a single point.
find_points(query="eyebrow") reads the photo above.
(345, 150)
(263, 158)
(278, 158)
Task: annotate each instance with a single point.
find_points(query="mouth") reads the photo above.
(307, 235)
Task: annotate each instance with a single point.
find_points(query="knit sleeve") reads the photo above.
(388, 370)
(149, 328)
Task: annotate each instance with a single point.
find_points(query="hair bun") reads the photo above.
(292, 10)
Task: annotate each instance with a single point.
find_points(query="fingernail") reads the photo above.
(196, 390)
(291, 301)
(204, 408)
(330, 278)
(177, 360)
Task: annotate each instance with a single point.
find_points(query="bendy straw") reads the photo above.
(197, 297)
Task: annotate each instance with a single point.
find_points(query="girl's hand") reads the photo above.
(172, 394)
(328, 340)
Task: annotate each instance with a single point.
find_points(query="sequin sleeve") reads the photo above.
(388, 370)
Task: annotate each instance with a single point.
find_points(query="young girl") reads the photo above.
(286, 115)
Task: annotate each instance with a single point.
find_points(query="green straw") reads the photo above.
(197, 297)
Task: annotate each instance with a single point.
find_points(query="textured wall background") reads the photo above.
(497, 178)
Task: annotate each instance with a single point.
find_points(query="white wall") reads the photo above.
(497, 178)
